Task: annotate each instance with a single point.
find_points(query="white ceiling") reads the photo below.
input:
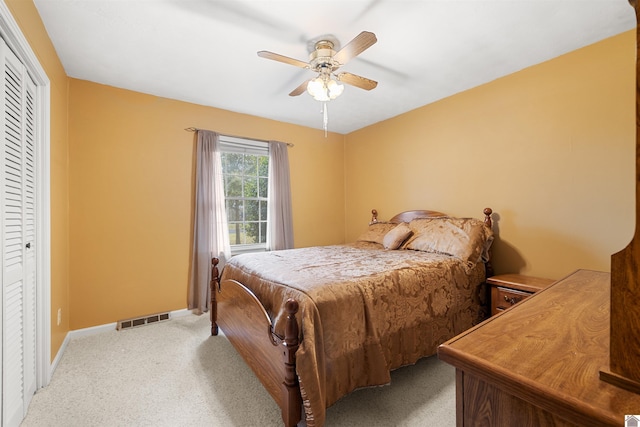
(204, 51)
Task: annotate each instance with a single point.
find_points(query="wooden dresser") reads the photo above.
(538, 363)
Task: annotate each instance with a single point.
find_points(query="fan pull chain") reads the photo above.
(325, 118)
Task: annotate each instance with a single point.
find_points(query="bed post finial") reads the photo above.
(292, 410)
(374, 216)
(487, 217)
(487, 222)
(215, 280)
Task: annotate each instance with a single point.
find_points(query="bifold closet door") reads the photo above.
(17, 220)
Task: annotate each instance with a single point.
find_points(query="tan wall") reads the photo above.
(131, 196)
(31, 26)
(550, 149)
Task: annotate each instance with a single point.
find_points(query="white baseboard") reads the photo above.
(180, 313)
(56, 360)
(94, 330)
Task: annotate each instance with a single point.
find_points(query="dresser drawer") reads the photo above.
(503, 298)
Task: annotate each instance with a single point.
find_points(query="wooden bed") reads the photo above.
(268, 329)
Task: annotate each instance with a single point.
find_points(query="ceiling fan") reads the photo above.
(325, 60)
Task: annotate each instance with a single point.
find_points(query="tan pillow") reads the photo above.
(376, 232)
(396, 237)
(465, 238)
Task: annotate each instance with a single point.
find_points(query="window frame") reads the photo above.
(232, 144)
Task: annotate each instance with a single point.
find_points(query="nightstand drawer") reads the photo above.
(509, 289)
(504, 298)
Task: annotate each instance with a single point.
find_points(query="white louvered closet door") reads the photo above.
(17, 108)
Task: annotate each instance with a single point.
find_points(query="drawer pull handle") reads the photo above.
(512, 300)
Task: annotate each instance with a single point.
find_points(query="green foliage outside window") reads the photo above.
(246, 187)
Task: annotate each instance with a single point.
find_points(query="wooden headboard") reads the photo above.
(407, 216)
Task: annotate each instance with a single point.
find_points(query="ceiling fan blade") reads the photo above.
(355, 47)
(300, 89)
(282, 58)
(357, 81)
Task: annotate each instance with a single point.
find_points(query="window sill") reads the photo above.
(245, 249)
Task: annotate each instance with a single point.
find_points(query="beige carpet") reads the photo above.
(174, 374)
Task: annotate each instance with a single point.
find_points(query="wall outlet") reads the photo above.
(59, 316)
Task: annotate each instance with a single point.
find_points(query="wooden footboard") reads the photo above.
(247, 326)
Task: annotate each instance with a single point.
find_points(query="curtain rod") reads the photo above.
(192, 129)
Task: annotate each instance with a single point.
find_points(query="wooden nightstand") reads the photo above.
(510, 289)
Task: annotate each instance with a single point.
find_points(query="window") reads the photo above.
(245, 171)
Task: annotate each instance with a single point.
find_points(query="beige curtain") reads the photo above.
(280, 219)
(210, 231)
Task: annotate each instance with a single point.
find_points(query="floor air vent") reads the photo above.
(140, 321)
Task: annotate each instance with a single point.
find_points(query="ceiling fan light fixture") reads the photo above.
(324, 89)
(316, 88)
(335, 89)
